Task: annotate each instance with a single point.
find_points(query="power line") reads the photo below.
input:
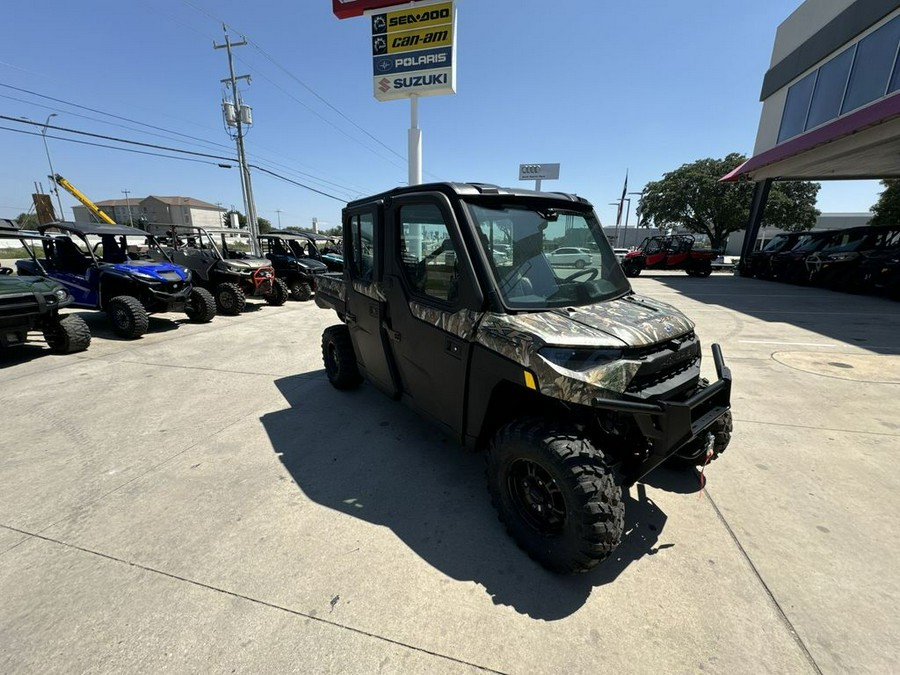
(157, 154)
(200, 141)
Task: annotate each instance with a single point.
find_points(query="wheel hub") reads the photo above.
(537, 497)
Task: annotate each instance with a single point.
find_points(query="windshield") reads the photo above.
(778, 243)
(811, 242)
(547, 257)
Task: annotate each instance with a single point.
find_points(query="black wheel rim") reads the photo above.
(330, 360)
(120, 318)
(536, 496)
(226, 300)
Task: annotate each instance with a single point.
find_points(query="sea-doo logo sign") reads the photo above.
(414, 17)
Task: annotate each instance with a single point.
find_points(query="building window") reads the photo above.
(830, 86)
(793, 121)
(872, 67)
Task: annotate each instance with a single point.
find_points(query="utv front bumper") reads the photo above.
(668, 425)
(168, 297)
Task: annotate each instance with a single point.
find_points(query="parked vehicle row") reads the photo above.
(130, 274)
(669, 252)
(855, 260)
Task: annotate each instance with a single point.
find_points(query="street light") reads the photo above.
(50, 162)
(128, 204)
(640, 195)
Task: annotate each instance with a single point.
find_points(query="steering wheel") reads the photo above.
(592, 271)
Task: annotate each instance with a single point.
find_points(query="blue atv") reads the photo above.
(102, 270)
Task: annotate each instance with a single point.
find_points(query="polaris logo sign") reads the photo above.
(429, 58)
(413, 51)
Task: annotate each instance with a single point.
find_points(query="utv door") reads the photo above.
(365, 301)
(429, 283)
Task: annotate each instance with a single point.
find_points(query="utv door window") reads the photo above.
(427, 254)
(362, 238)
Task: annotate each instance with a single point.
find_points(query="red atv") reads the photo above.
(674, 252)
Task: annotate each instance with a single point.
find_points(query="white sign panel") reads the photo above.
(413, 51)
(538, 171)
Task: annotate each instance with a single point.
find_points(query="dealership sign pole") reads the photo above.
(413, 55)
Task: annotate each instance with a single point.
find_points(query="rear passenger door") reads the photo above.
(365, 296)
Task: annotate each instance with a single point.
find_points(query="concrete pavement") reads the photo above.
(202, 500)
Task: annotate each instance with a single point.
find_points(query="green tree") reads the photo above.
(28, 221)
(692, 197)
(264, 225)
(886, 210)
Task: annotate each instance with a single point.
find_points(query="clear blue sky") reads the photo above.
(600, 87)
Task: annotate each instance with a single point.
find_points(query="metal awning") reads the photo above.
(864, 144)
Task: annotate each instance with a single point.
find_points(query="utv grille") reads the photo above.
(18, 305)
(666, 368)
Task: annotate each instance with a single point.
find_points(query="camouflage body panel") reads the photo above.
(635, 320)
(332, 285)
(372, 290)
(461, 324)
(520, 341)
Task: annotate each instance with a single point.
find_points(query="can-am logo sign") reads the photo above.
(345, 9)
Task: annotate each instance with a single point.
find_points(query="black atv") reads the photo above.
(103, 270)
(230, 275)
(290, 257)
(29, 303)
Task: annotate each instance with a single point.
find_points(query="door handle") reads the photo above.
(391, 333)
(350, 319)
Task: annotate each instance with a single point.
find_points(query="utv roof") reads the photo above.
(96, 228)
(210, 230)
(293, 235)
(473, 190)
(10, 229)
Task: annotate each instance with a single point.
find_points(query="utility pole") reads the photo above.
(128, 204)
(236, 115)
(278, 211)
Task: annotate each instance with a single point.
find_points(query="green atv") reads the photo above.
(29, 304)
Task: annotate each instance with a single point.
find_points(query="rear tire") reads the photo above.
(230, 299)
(128, 317)
(201, 305)
(631, 270)
(555, 493)
(300, 290)
(279, 294)
(70, 334)
(339, 358)
(579, 264)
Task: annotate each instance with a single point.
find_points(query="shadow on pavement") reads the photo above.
(866, 321)
(376, 460)
(100, 327)
(23, 353)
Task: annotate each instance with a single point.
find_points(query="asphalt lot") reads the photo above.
(201, 500)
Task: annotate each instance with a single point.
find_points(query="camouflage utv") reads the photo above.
(573, 385)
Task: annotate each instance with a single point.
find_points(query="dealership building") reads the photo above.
(831, 99)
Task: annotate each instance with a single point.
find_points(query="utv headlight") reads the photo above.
(60, 294)
(843, 257)
(580, 359)
(143, 276)
(187, 275)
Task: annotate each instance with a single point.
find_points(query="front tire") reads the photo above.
(230, 299)
(70, 334)
(555, 494)
(201, 305)
(631, 270)
(300, 290)
(128, 316)
(339, 358)
(279, 294)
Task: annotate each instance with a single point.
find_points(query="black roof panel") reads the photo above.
(96, 228)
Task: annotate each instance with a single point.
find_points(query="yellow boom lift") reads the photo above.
(91, 206)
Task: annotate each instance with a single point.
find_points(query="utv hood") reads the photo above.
(161, 271)
(248, 263)
(10, 284)
(630, 321)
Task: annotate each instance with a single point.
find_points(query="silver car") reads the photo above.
(570, 256)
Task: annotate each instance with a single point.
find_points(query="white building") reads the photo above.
(831, 98)
(157, 212)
